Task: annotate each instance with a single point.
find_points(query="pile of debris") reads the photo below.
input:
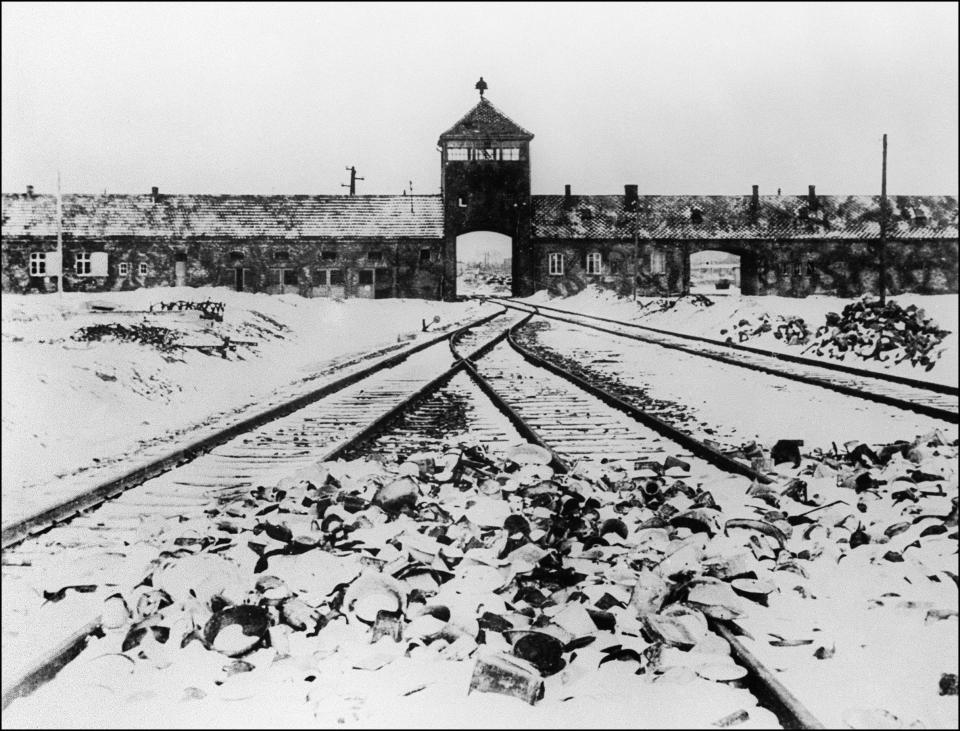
(541, 580)
(209, 310)
(791, 330)
(871, 331)
(155, 336)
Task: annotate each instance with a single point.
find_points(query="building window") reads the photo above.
(696, 216)
(510, 153)
(82, 262)
(424, 255)
(236, 256)
(329, 276)
(658, 262)
(38, 264)
(366, 276)
(123, 269)
(286, 276)
(594, 263)
(281, 254)
(556, 263)
(91, 264)
(143, 269)
(375, 256)
(457, 153)
(328, 255)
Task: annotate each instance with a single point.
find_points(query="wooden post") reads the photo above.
(636, 248)
(60, 237)
(883, 227)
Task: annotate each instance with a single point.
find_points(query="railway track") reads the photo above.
(494, 393)
(929, 399)
(177, 490)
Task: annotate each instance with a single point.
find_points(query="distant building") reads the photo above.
(405, 246)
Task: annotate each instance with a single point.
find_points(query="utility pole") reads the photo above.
(883, 227)
(59, 239)
(353, 180)
(636, 247)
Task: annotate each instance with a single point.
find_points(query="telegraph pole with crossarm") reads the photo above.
(353, 180)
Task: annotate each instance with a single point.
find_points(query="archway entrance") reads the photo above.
(718, 272)
(484, 261)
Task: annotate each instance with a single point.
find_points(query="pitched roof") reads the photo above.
(730, 217)
(485, 121)
(239, 216)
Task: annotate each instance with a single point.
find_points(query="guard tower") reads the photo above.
(485, 178)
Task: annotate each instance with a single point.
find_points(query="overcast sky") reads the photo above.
(677, 98)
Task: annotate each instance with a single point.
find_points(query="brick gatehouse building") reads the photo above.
(405, 246)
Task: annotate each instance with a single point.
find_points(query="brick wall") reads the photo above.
(405, 267)
(789, 268)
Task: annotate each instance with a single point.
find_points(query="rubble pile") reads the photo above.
(155, 336)
(208, 309)
(791, 330)
(871, 331)
(542, 585)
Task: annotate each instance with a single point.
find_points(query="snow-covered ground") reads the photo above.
(68, 404)
(689, 316)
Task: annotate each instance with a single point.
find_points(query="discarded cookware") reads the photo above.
(235, 631)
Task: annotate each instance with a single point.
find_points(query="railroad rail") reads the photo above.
(211, 471)
(539, 401)
(929, 399)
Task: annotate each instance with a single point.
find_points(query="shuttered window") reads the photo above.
(658, 262)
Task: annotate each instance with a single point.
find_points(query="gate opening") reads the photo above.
(484, 261)
(715, 273)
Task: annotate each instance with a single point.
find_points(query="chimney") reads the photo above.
(155, 193)
(755, 200)
(812, 197)
(29, 191)
(567, 196)
(630, 195)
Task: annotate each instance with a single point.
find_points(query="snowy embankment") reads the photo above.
(71, 404)
(722, 318)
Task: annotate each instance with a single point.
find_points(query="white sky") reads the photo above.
(678, 98)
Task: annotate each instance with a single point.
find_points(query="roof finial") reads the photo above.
(482, 86)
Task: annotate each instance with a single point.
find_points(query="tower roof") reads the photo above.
(483, 122)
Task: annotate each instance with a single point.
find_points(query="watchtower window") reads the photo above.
(457, 153)
(510, 153)
(556, 263)
(594, 263)
(484, 153)
(281, 254)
